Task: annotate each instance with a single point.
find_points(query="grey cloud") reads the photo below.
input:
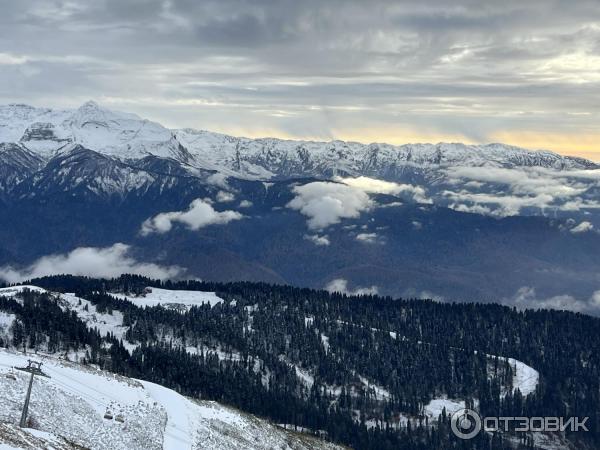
(245, 30)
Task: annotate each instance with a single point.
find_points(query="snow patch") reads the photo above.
(172, 298)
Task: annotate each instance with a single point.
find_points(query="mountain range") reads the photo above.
(448, 221)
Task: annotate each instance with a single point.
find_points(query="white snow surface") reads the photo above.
(73, 402)
(435, 407)
(6, 320)
(87, 312)
(525, 377)
(12, 291)
(380, 392)
(172, 298)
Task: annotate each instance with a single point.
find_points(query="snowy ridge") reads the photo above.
(96, 152)
(100, 410)
(276, 158)
(48, 132)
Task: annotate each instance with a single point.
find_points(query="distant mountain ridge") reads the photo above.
(47, 133)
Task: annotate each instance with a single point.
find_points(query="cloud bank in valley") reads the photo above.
(326, 203)
(374, 186)
(199, 214)
(504, 192)
(104, 262)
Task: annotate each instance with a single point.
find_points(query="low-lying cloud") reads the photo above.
(506, 192)
(104, 262)
(199, 214)
(507, 205)
(368, 238)
(583, 227)
(326, 203)
(318, 240)
(225, 197)
(218, 179)
(527, 298)
(340, 285)
(374, 186)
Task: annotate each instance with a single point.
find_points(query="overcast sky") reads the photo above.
(524, 72)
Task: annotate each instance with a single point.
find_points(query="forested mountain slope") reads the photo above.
(368, 372)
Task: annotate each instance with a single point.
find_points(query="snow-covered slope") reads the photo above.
(112, 322)
(98, 410)
(172, 299)
(16, 164)
(525, 377)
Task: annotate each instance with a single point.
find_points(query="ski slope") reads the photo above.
(71, 407)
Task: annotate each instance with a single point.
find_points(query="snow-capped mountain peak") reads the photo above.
(48, 132)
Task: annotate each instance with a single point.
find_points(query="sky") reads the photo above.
(525, 73)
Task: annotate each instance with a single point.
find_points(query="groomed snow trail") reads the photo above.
(178, 434)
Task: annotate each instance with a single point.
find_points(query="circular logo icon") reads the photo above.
(465, 423)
